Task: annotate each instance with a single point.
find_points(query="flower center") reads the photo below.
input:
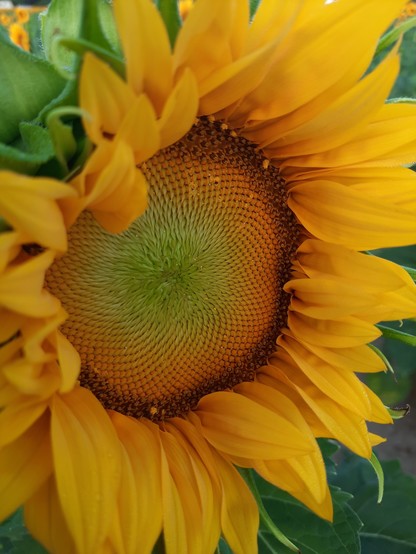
(189, 299)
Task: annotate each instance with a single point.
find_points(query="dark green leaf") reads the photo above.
(329, 448)
(27, 84)
(15, 538)
(389, 527)
(310, 533)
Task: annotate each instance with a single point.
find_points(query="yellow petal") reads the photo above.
(239, 512)
(16, 418)
(41, 380)
(45, 520)
(205, 42)
(342, 386)
(305, 56)
(334, 420)
(327, 298)
(379, 413)
(206, 479)
(181, 471)
(10, 242)
(110, 186)
(25, 464)
(29, 205)
(361, 359)
(238, 425)
(174, 522)
(10, 323)
(272, 18)
(388, 140)
(104, 96)
(304, 478)
(69, 363)
(180, 110)
(139, 129)
(146, 48)
(140, 487)
(21, 288)
(86, 459)
(342, 120)
(225, 86)
(342, 333)
(345, 216)
(279, 404)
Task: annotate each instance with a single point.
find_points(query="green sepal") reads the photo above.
(398, 413)
(254, 4)
(81, 46)
(383, 357)
(67, 97)
(169, 11)
(265, 519)
(27, 84)
(392, 36)
(395, 334)
(62, 137)
(76, 19)
(33, 149)
(401, 100)
(378, 470)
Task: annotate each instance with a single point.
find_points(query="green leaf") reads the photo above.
(389, 527)
(170, 14)
(27, 84)
(310, 533)
(395, 334)
(15, 538)
(328, 449)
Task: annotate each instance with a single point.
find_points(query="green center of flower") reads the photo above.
(189, 299)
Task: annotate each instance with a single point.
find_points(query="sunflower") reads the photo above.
(198, 297)
(19, 36)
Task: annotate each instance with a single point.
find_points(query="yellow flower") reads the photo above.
(221, 321)
(19, 36)
(22, 15)
(5, 19)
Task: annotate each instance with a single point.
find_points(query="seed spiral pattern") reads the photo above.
(189, 299)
